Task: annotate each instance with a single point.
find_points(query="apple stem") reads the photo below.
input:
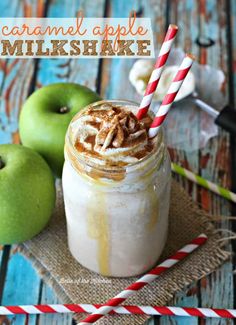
(63, 110)
(1, 163)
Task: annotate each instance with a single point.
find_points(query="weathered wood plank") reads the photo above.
(48, 297)
(22, 282)
(15, 74)
(67, 70)
(84, 71)
(115, 72)
(209, 161)
(21, 286)
(184, 13)
(217, 289)
(115, 84)
(49, 71)
(18, 73)
(15, 80)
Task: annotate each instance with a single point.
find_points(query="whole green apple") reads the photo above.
(27, 193)
(45, 117)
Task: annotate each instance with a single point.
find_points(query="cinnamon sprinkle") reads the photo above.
(114, 127)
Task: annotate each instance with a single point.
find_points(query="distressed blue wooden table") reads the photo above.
(200, 21)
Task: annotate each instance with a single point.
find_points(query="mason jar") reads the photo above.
(117, 217)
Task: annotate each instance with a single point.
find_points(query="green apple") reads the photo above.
(45, 117)
(27, 193)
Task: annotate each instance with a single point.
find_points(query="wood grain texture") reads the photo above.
(16, 76)
(217, 289)
(22, 286)
(115, 83)
(206, 18)
(84, 71)
(213, 161)
(48, 71)
(17, 83)
(48, 297)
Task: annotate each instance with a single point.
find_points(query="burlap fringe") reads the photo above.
(45, 275)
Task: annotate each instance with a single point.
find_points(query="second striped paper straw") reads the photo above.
(124, 310)
(157, 71)
(204, 183)
(171, 94)
(144, 280)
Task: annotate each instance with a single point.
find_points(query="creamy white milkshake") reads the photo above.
(116, 184)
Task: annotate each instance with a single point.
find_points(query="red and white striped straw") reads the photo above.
(171, 94)
(124, 310)
(144, 280)
(157, 71)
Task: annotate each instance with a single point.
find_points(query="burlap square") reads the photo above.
(75, 284)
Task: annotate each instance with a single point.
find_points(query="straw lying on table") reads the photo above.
(124, 310)
(144, 280)
(204, 183)
(156, 73)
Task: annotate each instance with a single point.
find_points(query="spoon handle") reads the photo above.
(205, 107)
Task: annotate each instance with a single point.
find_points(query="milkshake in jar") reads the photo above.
(116, 184)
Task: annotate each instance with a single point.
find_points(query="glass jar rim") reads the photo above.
(111, 169)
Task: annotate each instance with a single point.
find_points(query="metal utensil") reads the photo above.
(226, 118)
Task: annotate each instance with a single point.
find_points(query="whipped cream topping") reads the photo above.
(108, 134)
